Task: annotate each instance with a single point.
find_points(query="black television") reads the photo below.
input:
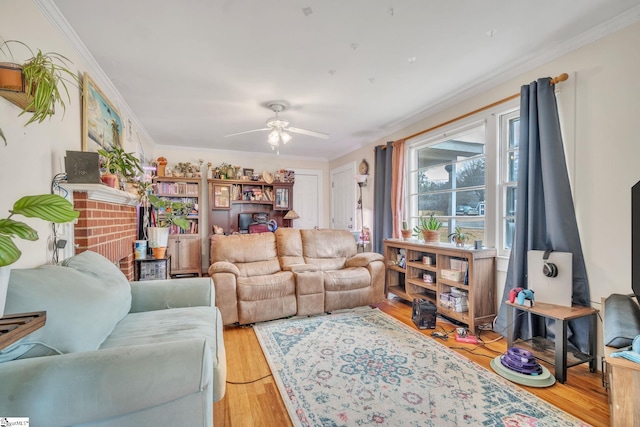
(635, 239)
(244, 219)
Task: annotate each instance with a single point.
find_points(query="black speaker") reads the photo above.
(549, 269)
(423, 313)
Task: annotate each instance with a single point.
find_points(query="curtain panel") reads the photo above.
(545, 216)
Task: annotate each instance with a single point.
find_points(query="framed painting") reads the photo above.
(101, 122)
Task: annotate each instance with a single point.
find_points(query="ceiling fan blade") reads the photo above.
(308, 132)
(247, 131)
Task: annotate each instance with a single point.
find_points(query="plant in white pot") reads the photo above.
(48, 207)
(169, 212)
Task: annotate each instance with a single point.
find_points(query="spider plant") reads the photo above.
(46, 76)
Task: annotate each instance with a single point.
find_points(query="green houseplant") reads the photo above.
(429, 229)
(120, 164)
(458, 237)
(406, 231)
(169, 212)
(46, 76)
(48, 207)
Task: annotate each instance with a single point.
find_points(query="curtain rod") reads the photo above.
(562, 77)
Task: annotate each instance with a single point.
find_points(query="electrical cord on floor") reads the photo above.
(249, 382)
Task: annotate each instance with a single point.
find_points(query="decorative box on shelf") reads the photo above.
(454, 275)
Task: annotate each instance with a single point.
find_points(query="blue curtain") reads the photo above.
(382, 218)
(545, 216)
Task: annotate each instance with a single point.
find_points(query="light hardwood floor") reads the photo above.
(252, 397)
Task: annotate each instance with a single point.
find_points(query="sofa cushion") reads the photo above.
(266, 287)
(175, 324)
(347, 279)
(327, 249)
(289, 245)
(253, 254)
(82, 309)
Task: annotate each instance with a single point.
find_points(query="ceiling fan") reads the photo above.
(279, 128)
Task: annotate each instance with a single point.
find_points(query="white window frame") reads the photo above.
(505, 184)
(494, 201)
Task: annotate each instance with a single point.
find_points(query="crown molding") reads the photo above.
(527, 63)
(51, 12)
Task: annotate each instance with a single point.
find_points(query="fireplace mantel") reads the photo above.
(103, 193)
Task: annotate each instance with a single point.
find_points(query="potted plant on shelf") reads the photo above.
(48, 207)
(169, 213)
(119, 165)
(458, 237)
(406, 231)
(44, 78)
(429, 229)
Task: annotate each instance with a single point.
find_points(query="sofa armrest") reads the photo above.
(152, 295)
(223, 267)
(78, 388)
(363, 259)
(300, 268)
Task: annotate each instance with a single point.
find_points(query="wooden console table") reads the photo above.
(558, 357)
(15, 326)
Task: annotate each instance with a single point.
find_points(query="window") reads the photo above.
(509, 141)
(447, 179)
(466, 175)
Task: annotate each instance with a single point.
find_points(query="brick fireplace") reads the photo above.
(107, 223)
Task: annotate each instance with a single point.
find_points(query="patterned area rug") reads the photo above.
(367, 368)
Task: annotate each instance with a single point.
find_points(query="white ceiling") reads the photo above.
(194, 71)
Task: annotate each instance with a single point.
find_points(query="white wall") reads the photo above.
(603, 148)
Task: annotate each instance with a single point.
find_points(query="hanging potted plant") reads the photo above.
(429, 229)
(48, 207)
(44, 79)
(169, 212)
(119, 165)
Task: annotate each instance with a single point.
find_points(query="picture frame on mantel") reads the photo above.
(102, 126)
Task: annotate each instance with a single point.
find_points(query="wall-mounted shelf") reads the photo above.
(17, 98)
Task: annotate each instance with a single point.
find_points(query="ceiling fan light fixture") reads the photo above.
(274, 137)
(285, 137)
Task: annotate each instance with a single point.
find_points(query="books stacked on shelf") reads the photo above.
(268, 194)
(178, 188)
(193, 229)
(235, 192)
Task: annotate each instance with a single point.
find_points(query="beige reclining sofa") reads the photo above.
(291, 272)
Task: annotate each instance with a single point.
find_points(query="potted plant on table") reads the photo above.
(169, 213)
(119, 165)
(43, 78)
(458, 237)
(48, 207)
(429, 229)
(406, 231)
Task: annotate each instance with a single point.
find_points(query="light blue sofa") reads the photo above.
(112, 352)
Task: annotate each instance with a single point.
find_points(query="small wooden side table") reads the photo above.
(15, 326)
(558, 357)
